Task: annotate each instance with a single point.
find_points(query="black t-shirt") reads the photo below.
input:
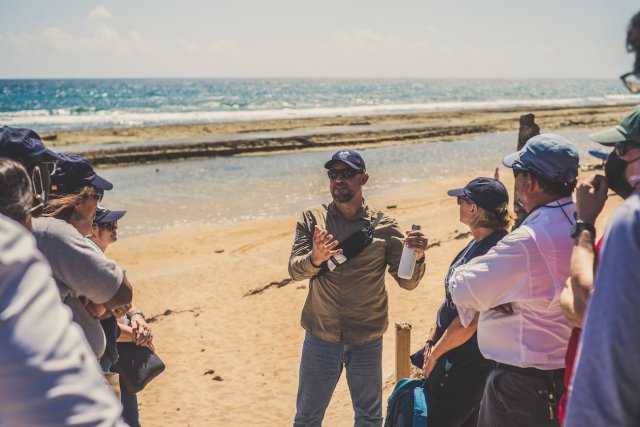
(448, 312)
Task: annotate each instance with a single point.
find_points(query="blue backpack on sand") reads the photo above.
(407, 405)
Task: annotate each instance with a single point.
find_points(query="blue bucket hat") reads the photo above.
(349, 158)
(549, 155)
(488, 193)
(74, 172)
(24, 146)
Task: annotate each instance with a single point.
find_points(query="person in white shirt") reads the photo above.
(516, 289)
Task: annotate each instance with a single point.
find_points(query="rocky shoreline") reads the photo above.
(308, 134)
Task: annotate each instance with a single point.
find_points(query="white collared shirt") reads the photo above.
(527, 268)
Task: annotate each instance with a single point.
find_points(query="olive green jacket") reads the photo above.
(349, 304)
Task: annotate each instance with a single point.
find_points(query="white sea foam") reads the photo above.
(72, 119)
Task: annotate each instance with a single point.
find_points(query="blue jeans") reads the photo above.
(130, 412)
(320, 369)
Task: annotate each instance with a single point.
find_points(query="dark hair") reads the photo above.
(500, 219)
(61, 206)
(559, 189)
(633, 39)
(16, 194)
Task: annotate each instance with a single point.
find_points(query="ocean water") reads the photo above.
(227, 190)
(47, 105)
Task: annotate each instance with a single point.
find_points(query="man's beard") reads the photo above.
(342, 196)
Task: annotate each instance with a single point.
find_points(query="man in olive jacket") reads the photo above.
(345, 314)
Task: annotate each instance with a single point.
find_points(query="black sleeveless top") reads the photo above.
(448, 312)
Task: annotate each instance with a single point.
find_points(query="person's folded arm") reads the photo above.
(79, 267)
(498, 277)
(454, 336)
(122, 297)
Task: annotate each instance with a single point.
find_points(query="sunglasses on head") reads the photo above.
(342, 173)
(623, 147)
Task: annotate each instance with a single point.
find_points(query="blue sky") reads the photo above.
(278, 38)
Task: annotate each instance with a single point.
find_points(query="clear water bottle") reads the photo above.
(408, 259)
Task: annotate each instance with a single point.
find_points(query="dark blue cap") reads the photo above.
(349, 158)
(549, 155)
(488, 193)
(24, 146)
(105, 216)
(74, 172)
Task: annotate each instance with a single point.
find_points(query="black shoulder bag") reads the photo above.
(352, 246)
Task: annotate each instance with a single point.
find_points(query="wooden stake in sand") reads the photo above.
(403, 348)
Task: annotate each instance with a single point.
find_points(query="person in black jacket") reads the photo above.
(451, 361)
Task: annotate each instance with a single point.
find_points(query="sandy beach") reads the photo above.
(214, 120)
(232, 359)
(166, 143)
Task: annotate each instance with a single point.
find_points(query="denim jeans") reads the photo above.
(320, 369)
(130, 412)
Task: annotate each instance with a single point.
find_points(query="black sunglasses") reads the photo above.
(462, 199)
(98, 194)
(342, 173)
(631, 81)
(518, 172)
(108, 225)
(623, 147)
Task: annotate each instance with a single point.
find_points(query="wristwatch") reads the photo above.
(579, 226)
(136, 312)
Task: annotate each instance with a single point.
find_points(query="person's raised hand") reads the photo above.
(323, 246)
(591, 195)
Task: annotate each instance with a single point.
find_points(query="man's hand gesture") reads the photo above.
(323, 244)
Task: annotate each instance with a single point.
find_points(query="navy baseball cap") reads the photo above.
(627, 130)
(73, 172)
(105, 216)
(488, 193)
(549, 155)
(24, 146)
(349, 158)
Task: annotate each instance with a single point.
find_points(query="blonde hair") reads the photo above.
(61, 206)
(501, 219)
